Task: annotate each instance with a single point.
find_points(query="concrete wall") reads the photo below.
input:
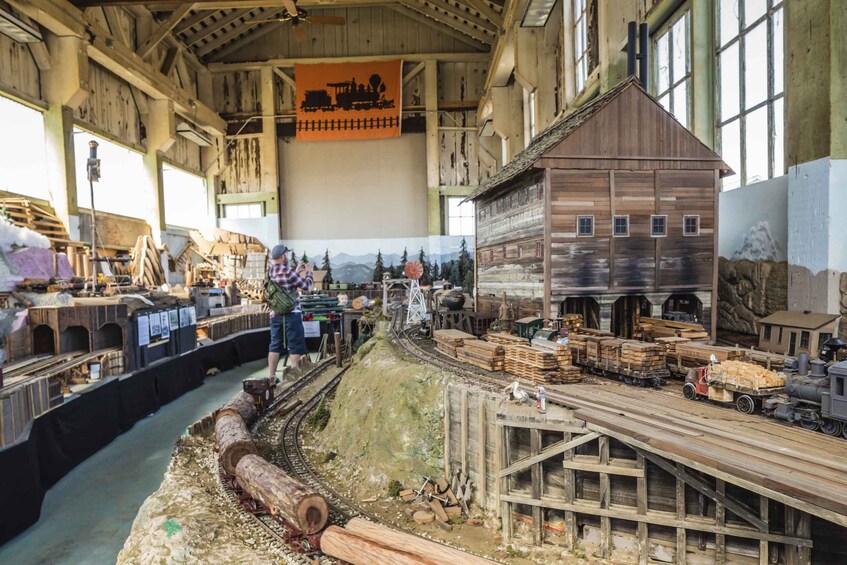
(754, 221)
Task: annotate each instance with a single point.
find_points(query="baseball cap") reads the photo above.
(278, 251)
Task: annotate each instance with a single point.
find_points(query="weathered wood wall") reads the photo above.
(244, 172)
(510, 250)
(459, 159)
(369, 31)
(18, 71)
(110, 107)
(185, 154)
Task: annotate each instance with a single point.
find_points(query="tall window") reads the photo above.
(23, 165)
(460, 217)
(580, 39)
(750, 89)
(186, 202)
(673, 68)
(123, 181)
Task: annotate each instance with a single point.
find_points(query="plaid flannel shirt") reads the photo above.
(289, 280)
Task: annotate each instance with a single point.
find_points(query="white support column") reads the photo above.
(212, 159)
(65, 88)
(161, 135)
(433, 175)
(269, 142)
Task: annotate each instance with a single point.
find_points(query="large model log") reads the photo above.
(353, 548)
(413, 544)
(283, 495)
(234, 441)
(241, 404)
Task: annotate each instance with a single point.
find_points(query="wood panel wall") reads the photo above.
(375, 30)
(244, 172)
(110, 106)
(185, 154)
(18, 71)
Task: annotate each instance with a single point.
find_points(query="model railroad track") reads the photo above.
(49, 366)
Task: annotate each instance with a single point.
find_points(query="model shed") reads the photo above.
(792, 333)
(611, 213)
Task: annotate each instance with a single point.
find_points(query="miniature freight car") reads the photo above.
(744, 385)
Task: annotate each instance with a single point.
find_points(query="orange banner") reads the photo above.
(337, 101)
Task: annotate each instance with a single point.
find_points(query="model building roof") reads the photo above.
(547, 140)
(802, 320)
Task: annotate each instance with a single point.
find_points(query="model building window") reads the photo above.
(580, 40)
(750, 89)
(22, 155)
(823, 338)
(767, 332)
(122, 176)
(673, 68)
(620, 226)
(780, 335)
(243, 211)
(658, 226)
(585, 226)
(460, 217)
(691, 225)
(804, 340)
(186, 201)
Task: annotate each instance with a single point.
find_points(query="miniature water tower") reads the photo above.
(417, 306)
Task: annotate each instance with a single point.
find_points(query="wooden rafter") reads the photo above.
(169, 61)
(448, 21)
(238, 30)
(417, 16)
(216, 26)
(163, 30)
(483, 7)
(194, 19)
(462, 14)
(414, 72)
(259, 30)
(168, 5)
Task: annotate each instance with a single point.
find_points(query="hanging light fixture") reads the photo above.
(537, 13)
(17, 29)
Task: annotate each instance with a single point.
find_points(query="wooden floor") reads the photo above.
(804, 469)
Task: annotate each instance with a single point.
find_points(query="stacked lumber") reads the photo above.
(641, 356)
(578, 345)
(566, 372)
(536, 365)
(449, 341)
(595, 333)
(222, 326)
(670, 342)
(699, 354)
(532, 357)
(488, 356)
(738, 374)
(145, 266)
(610, 350)
(593, 346)
(653, 328)
(22, 212)
(503, 338)
(765, 359)
(572, 322)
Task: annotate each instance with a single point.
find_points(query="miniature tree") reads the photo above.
(379, 267)
(403, 260)
(326, 267)
(425, 277)
(465, 262)
(304, 258)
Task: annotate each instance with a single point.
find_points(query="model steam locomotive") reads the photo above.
(349, 95)
(816, 398)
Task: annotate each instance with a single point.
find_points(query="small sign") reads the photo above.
(312, 329)
(166, 325)
(184, 318)
(143, 331)
(193, 316)
(155, 324)
(174, 314)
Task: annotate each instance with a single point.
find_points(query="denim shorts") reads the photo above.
(287, 335)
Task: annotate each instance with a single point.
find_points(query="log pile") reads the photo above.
(435, 502)
(284, 496)
(242, 405)
(482, 354)
(145, 266)
(642, 356)
(738, 374)
(233, 440)
(503, 338)
(653, 328)
(449, 341)
(572, 322)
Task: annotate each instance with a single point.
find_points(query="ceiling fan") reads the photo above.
(298, 16)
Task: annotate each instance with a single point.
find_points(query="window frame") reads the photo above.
(665, 231)
(683, 12)
(447, 217)
(614, 225)
(580, 57)
(739, 40)
(164, 166)
(767, 332)
(35, 195)
(581, 217)
(805, 337)
(685, 218)
(226, 206)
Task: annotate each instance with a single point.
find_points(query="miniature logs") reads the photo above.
(413, 544)
(241, 404)
(299, 504)
(233, 440)
(358, 550)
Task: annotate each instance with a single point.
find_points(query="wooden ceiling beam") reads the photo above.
(238, 30)
(448, 21)
(216, 26)
(438, 26)
(169, 5)
(486, 10)
(164, 29)
(462, 14)
(260, 31)
(475, 57)
(194, 19)
(38, 49)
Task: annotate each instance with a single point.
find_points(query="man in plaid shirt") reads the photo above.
(287, 336)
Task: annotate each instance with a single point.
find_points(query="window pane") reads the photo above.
(455, 226)
(123, 181)
(731, 152)
(579, 37)
(453, 206)
(778, 47)
(23, 164)
(680, 51)
(185, 199)
(255, 211)
(778, 138)
(680, 103)
(756, 62)
(757, 145)
(729, 82)
(729, 20)
(753, 10)
(664, 65)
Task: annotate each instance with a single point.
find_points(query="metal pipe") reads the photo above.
(644, 50)
(630, 49)
(93, 174)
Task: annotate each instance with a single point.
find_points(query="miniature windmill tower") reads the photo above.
(417, 306)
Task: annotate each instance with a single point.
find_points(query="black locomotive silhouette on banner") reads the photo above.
(349, 95)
